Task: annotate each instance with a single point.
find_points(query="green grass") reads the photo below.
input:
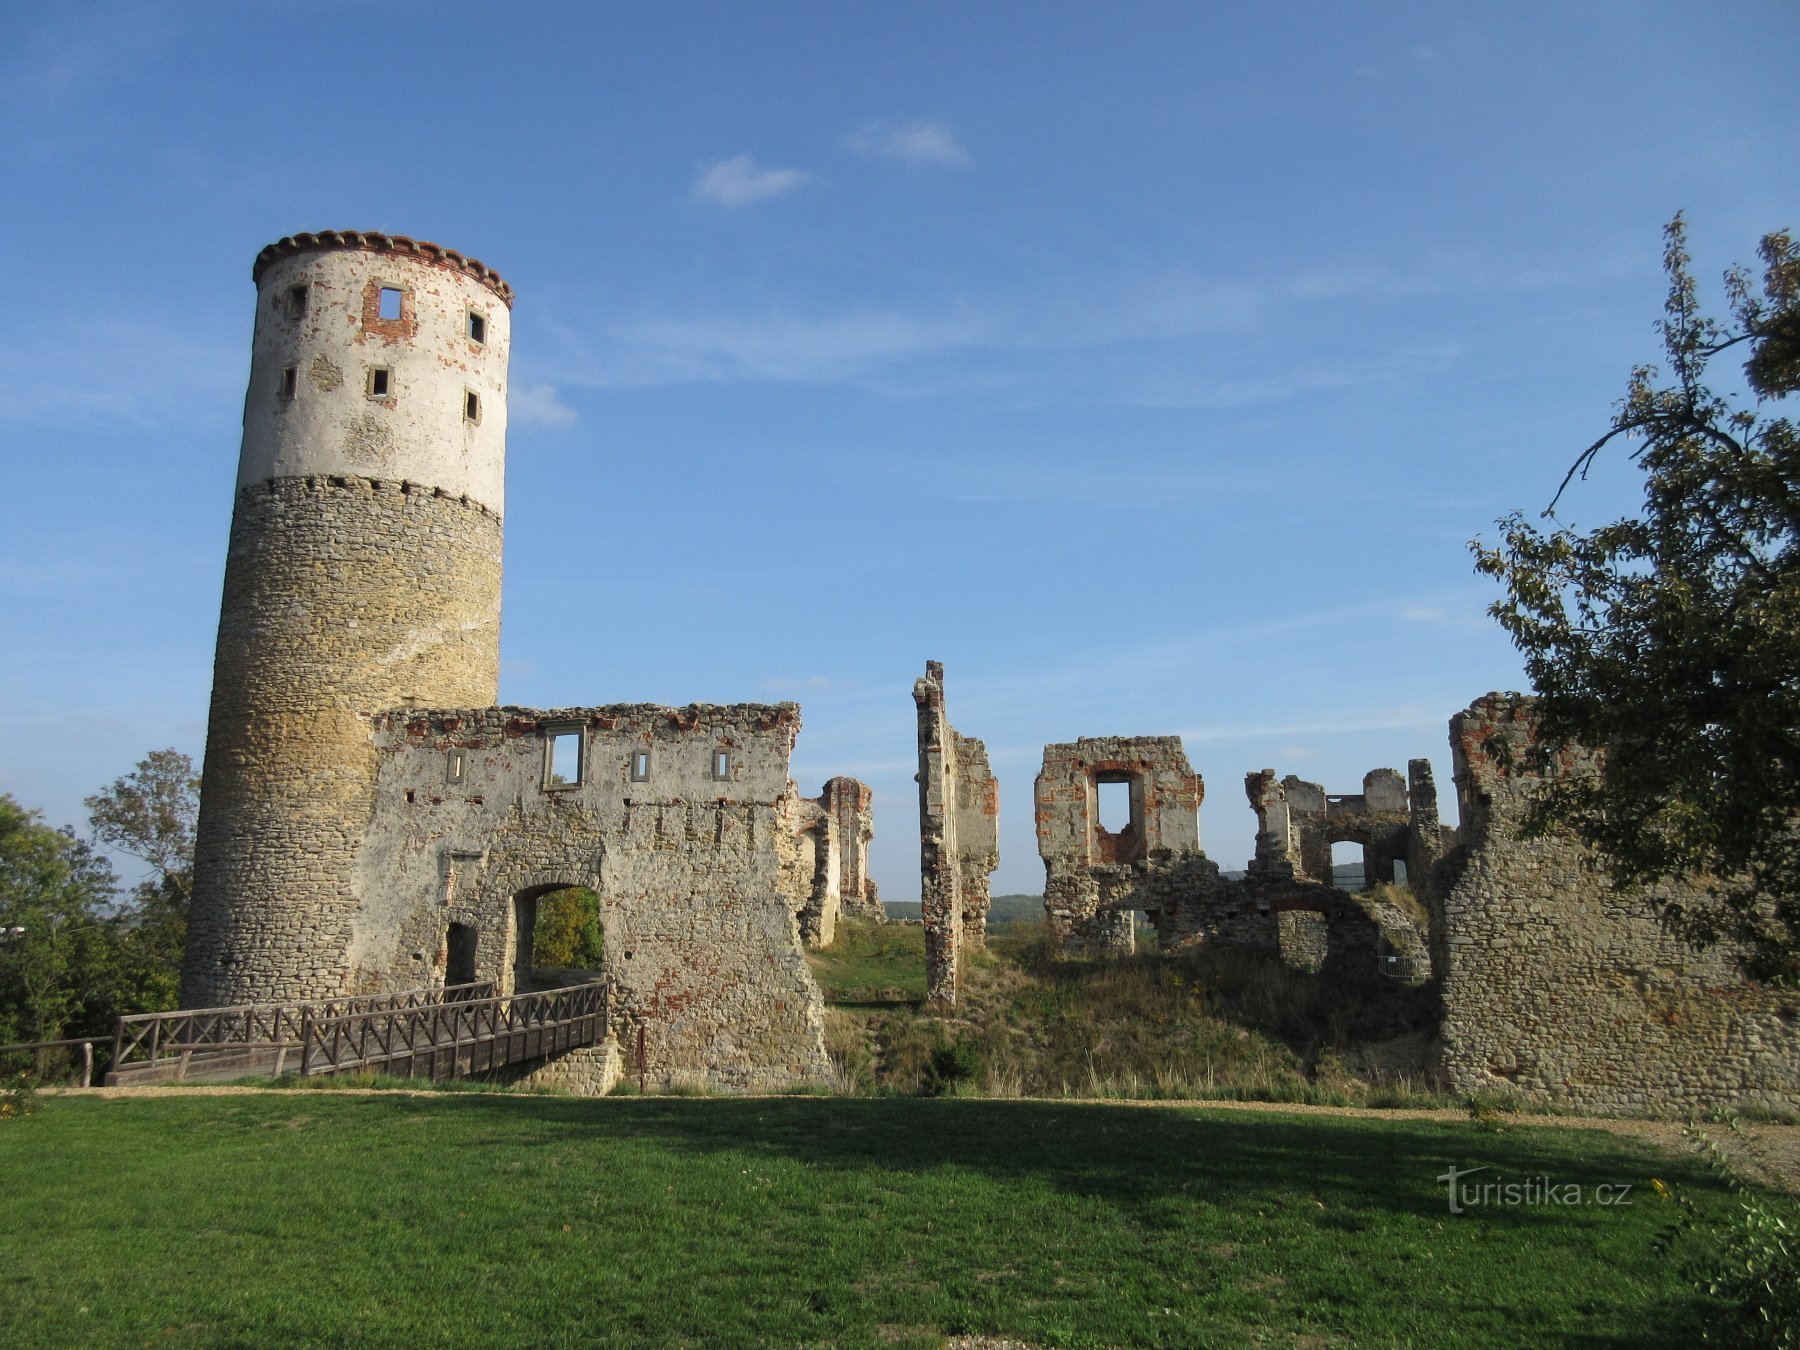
(872, 963)
(1191, 1024)
(336, 1219)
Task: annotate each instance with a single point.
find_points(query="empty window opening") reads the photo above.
(640, 766)
(1347, 866)
(721, 764)
(390, 305)
(562, 758)
(477, 327)
(1399, 872)
(290, 381)
(296, 302)
(453, 770)
(380, 381)
(471, 406)
(1113, 802)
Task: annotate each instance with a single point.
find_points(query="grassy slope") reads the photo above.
(1191, 1024)
(397, 1220)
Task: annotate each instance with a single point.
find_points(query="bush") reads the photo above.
(1749, 1256)
(951, 1063)
(18, 1097)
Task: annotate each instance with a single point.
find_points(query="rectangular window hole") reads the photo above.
(1113, 803)
(296, 302)
(390, 305)
(453, 771)
(562, 758)
(721, 764)
(471, 406)
(380, 381)
(640, 766)
(290, 381)
(477, 327)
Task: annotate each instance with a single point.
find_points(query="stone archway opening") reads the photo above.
(558, 938)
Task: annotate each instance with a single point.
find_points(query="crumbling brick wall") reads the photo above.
(959, 810)
(851, 806)
(1096, 880)
(1559, 987)
(685, 850)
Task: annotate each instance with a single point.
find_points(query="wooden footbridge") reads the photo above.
(454, 1032)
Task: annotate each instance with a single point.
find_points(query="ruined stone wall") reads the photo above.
(1096, 880)
(851, 806)
(809, 866)
(1558, 987)
(977, 834)
(363, 573)
(959, 807)
(1379, 818)
(701, 940)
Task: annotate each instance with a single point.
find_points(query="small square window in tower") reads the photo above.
(477, 327)
(290, 381)
(454, 767)
(296, 302)
(562, 757)
(392, 304)
(381, 381)
(640, 766)
(471, 406)
(721, 764)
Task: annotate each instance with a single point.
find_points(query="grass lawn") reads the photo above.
(386, 1219)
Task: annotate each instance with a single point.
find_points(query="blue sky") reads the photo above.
(1151, 365)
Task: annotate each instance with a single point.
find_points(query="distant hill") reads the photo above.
(1004, 910)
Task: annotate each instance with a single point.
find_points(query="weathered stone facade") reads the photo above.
(959, 839)
(1558, 987)
(850, 805)
(369, 820)
(675, 817)
(1096, 880)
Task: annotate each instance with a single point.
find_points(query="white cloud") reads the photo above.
(538, 405)
(916, 142)
(738, 182)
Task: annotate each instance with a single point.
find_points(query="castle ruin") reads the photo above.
(370, 819)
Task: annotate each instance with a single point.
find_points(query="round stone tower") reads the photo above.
(363, 575)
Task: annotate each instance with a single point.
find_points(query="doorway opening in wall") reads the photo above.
(558, 938)
(1348, 870)
(459, 945)
(1112, 804)
(1400, 872)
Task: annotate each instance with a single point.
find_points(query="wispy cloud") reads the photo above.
(539, 405)
(738, 182)
(116, 368)
(917, 142)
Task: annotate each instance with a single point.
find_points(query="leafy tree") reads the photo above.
(151, 814)
(1670, 641)
(57, 945)
(567, 934)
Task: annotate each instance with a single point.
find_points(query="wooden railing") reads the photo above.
(198, 1037)
(450, 1040)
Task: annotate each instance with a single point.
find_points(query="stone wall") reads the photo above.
(1096, 880)
(959, 809)
(1560, 988)
(684, 848)
(851, 806)
(343, 596)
